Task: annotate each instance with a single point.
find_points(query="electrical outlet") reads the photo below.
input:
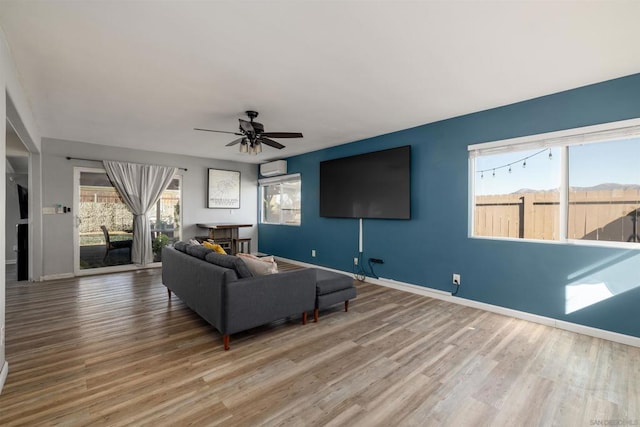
(313, 253)
(456, 279)
(355, 260)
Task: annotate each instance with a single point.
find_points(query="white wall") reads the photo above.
(57, 178)
(13, 107)
(3, 167)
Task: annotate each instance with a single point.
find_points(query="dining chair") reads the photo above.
(116, 244)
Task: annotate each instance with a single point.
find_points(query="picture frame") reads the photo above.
(223, 189)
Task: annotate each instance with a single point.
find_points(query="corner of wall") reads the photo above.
(3, 375)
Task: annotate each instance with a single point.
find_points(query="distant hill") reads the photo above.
(600, 187)
(608, 186)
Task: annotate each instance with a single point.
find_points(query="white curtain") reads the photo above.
(140, 187)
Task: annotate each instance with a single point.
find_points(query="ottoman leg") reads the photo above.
(346, 305)
(315, 315)
(304, 318)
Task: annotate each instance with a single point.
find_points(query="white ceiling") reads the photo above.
(142, 74)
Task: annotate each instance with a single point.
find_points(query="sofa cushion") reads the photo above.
(328, 281)
(181, 246)
(198, 251)
(229, 261)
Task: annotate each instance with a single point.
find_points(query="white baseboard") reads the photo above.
(3, 374)
(56, 276)
(11, 261)
(101, 270)
(446, 296)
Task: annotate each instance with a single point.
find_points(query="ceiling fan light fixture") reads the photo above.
(252, 135)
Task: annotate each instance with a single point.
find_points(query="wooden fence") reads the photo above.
(103, 206)
(610, 215)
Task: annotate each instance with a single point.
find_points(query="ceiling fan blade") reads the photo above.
(282, 134)
(271, 143)
(246, 126)
(237, 141)
(218, 131)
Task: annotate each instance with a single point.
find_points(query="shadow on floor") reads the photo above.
(93, 257)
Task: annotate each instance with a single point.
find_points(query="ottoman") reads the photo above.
(332, 288)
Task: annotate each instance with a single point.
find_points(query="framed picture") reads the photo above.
(223, 190)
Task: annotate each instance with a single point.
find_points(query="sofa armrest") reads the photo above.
(258, 300)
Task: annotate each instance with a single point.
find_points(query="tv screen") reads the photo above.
(371, 185)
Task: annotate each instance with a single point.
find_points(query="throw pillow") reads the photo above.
(215, 247)
(194, 242)
(259, 267)
(264, 258)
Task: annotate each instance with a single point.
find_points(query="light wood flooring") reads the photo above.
(113, 350)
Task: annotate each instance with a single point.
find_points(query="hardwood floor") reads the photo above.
(112, 350)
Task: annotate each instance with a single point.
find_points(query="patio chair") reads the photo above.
(118, 244)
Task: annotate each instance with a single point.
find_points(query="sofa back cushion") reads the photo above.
(181, 246)
(198, 251)
(229, 261)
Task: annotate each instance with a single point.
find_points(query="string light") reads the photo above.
(508, 165)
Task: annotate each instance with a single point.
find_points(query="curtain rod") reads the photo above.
(94, 160)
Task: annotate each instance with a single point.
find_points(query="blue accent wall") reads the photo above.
(426, 250)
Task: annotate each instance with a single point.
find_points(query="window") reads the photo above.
(280, 200)
(517, 194)
(604, 191)
(576, 185)
(165, 216)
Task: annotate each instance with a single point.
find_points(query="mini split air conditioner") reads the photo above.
(279, 167)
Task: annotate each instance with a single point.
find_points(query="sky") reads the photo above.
(589, 165)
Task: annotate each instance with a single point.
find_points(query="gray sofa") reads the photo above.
(222, 290)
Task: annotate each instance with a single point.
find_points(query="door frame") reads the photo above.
(77, 171)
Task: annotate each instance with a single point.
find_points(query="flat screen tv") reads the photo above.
(371, 185)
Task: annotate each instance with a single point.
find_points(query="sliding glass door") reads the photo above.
(165, 218)
(104, 224)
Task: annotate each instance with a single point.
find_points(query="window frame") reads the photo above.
(625, 129)
(177, 176)
(264, 182)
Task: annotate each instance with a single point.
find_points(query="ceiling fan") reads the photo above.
(253, 135)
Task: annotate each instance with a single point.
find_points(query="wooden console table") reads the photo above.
(223, 233)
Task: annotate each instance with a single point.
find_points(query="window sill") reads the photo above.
(569, 242)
